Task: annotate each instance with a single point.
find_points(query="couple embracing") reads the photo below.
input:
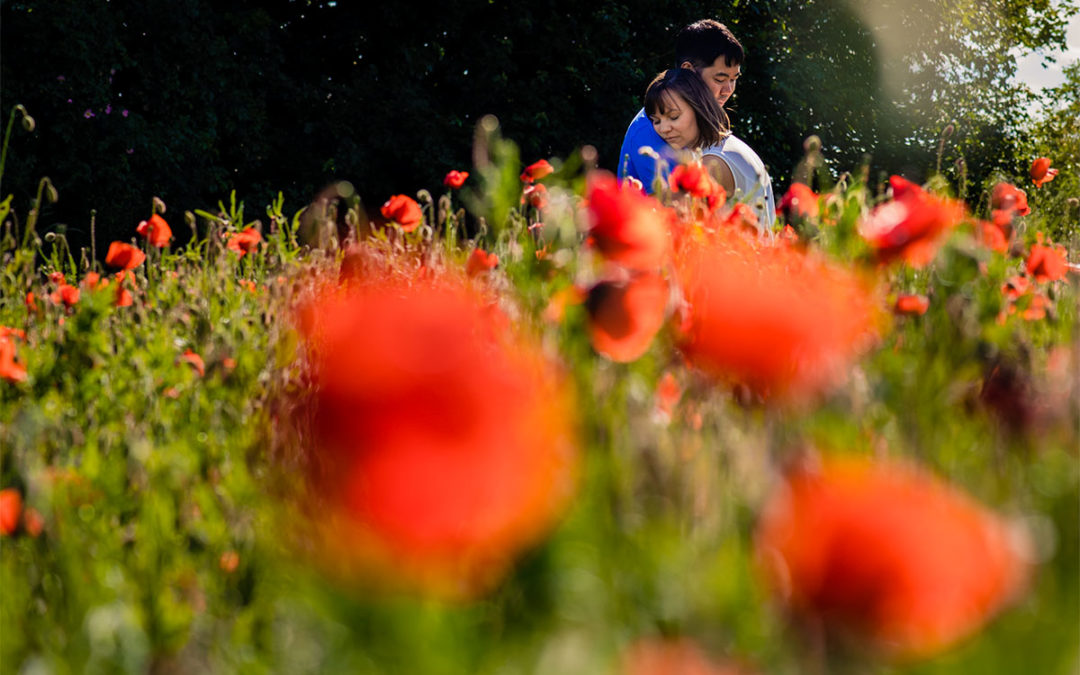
(684, 112)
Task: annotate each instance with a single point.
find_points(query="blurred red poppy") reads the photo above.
(627, 227)
(245, 241)
(772, 318)
(886, 552)
(693, 179)
(9, 369)
(799, 202)
(625, 316)
(66, 295)
(195, 361)
(536, 195)
(10, 509)
(33, 523)
(536, 171)
(911, 225)
(480, 261)
(30, 303)
(1047, 263)
(993, 236)
(442, 439)
(1009, 199)
(155, 231)
(404, 211)
(1041, 172)
(668, 393)
(912, 305)
(124, 256)
(455, 179)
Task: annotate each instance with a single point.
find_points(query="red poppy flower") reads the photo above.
(536, 195)
(245, 241)
(628, 228)
(911, 225)
(624, 317)
(886, 552)
(536, 171)
(772, 318)
(1047, 263)
(480, 261)
(993, 236)
(1009, 199)
(155, 231)
(799, 202)
(693, 179)
(668, 393)
(10, 508)
(912, 305)
(455, 179)
(30, 303)
(15, 332)
(1037, 305)
(33, 523)
(1015, 286)
(195, 361)
(404, 211)
(442, 439)
(1041, 172)
(66, 294)
(123, 297)
(124, 256)
(9, 369)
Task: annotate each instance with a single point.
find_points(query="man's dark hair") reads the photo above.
(712, 121)
(702, 42)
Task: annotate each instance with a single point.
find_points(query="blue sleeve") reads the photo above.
(631, 162)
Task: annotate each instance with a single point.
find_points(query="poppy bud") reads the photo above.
(812, 143)
(159, 206)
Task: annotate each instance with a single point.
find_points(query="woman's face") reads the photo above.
(676, 122)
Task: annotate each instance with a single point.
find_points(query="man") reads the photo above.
(708, 48)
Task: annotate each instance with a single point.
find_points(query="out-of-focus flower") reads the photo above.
(668, 393)
(229, 562)
(404, 211)
(912, 305)
(10, 509)
(455, 179)
(30, 303)
(694, 179)
(625, 316)
(1015, 286)
(480, 261)
(442, 439)
(1005, 201)
(536, 195)
(627, 227)
(155, 231)
(799, 202)
(772, 318)
(672, 657)
(56, 277)
(886, 552)
(1041, 171)
(993, 236)
(245, 241)
(1037, 304)
(124, 256)
(911, 225)
(12, 332)
(536, 171)
(66, 295)
(195, 361)
(9, 369)
(33, 523)
(123, 297)
(1047, 263)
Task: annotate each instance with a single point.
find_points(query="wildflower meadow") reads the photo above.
(538, 421)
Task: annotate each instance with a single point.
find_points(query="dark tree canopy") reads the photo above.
(189, 99)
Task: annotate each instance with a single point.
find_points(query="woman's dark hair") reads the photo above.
(712, 121)
(702, 42)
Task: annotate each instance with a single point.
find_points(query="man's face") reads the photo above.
(720, 78)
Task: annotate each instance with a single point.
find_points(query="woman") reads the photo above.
(687, 117)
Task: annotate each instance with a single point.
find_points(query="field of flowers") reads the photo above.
(542, 422)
